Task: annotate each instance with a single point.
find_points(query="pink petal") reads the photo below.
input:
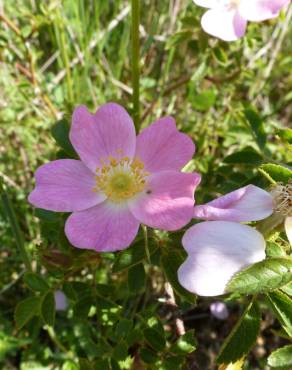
(260, 10)
(106, 227)
(168, 199)
(108, 132)
(226, 24)
(206, 3)
(65, 185)
(218, 250)
(162, 147)
(249, 203)
(288, 228)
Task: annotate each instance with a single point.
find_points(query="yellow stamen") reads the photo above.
(120, 179)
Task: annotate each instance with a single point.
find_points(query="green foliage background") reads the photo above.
(233, 99)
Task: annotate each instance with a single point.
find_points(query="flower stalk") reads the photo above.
(136, 62)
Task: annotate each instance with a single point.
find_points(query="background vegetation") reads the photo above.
(231, 98)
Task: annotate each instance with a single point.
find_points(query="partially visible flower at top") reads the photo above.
(219, 310)
(219, 249)
(120, 181)
(282, 195)
(227, 19)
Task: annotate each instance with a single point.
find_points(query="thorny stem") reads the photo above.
(136, 62)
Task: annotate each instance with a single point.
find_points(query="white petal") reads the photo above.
(207, 3)
(224, 23)
(217, 250)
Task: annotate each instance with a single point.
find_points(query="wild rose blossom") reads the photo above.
(120, 181)
(219, 249)
(227, 19)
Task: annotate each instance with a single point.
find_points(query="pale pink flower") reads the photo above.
(227, 19)
(120, 181)
(249, 203)
(219, 249)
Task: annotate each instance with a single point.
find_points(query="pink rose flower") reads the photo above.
(220, 248)
(227, 19)
(120, 181)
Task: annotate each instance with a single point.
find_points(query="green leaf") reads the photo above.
(185, 344)
(171, 260)
(25, 310)
(47, 216)
(173, 363)
(123, 328)
(285, 134)
(246, 156)
(274, 250)
(132, 256)
(282, 357)
(82, 306)
(242, 336)
(178, 38)
(281, 304)
(136, 278)
(204, 101)
(155, 339)
(257, 126)
(48, 308)
(263, 276)
(35, 282)
(60, 133)
(120, 352)
(148, 355)
(287, 289)
(277, 172)
(85, 364)
(101, 365)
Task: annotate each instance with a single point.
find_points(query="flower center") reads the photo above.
(282, 195)
(120, 179)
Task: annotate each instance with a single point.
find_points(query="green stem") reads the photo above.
(145, 230)
(9, 211)
(55, 340)
(136, 62)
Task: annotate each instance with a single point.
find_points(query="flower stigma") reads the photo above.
(120, 179)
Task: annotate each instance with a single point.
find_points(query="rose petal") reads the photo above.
(249, 203)
(108, 132)
(106, 227)
(217, 250)
(207, 3)
(168, 199)
(226, 24)
(65, 185)
(260, 10)
(288, 228)
(162, 147)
